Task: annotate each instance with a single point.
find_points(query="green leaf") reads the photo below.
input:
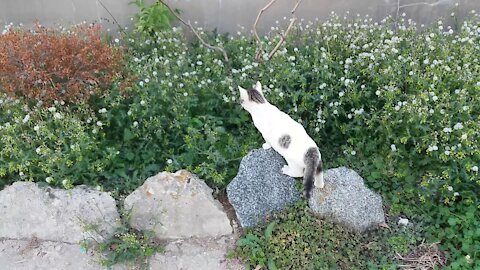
(127, 135)
(271, 264)
(269, 230)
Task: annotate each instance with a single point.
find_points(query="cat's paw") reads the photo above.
(292, 172)
(286, 170)
(266, 146)
(319, 183)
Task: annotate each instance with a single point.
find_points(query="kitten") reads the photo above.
(286, 136)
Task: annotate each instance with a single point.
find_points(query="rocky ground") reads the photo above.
(46, 228)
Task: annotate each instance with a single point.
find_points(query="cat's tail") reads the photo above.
(313, 170)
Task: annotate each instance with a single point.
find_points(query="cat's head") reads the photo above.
(251, 98)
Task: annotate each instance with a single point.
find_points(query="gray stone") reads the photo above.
(260, 188)
(176, 206)
(346, 200)
(29, 211)
(35, 254)
(196, 254)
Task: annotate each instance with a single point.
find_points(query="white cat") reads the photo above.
(286, 136)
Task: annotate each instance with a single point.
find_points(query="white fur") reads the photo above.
(272, 124)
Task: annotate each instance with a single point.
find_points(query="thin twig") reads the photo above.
(259, 42)
(282, 39)
(217, 48)
(111, 15)
(422, 3)
(284, 36)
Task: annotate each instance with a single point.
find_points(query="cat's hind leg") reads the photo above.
(292, 169)
(266, 146)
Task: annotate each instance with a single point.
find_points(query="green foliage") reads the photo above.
(129, 246)
(295, 239)
(398, 104)
(152, 19)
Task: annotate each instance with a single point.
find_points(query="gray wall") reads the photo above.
(225, 15)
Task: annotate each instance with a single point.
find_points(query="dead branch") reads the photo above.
(259, 42)
(216, 48)
(283, 36)
(423, 257)
(422, 3)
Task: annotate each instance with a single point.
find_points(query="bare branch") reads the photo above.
(216, 48)
(259, 42)
(111, 15)
(284, 36)
(423, 3)
(282, 39)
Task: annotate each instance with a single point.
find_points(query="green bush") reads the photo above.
(397, 102)
(295, 239)
(153, 18)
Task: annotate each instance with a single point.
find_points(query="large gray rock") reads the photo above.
(28, 211)
(176, 206)
(346, 200)
(260, 188)
(36, 254)
(196, 254)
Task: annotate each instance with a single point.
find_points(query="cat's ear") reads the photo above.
(241, 89)
(258, 87)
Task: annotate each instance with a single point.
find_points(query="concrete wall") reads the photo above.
(225, 15)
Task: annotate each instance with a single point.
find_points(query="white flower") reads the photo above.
(38, 150)
(434, 148)
(36, 128)
(117, 40)
(21, 174)
(147, 80)
(403, 221)
(57, 116)
(102, 110)
(142, 102)
(48, 179)
(464, 136)
(456, 194)
(169, 161)
(65, 182)
(141, 83)
(99, 123)
(353, 153)
(475, 168)
(135, 124)
(317, 129)
(447, 152)
(199, 63)
(26, 118)
(52, 109)
(377, 92)
(447, 130)
(458, 126)
(393, 147)
(450, 188)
